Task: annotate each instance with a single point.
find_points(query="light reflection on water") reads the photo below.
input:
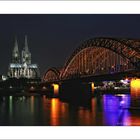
(32, 104)
(115, 109)
(39, 110)
(10, 105)
(55, 110)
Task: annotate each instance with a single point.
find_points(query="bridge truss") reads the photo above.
(99, 56)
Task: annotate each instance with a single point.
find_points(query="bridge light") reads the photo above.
(125, 81)
(32, 88)
(135, 83)
(4, 78)
(11, 97)
(56, 88)
(44, 88)
(135, 92)
(92, 87)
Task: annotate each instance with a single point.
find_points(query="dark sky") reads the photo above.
(52, 38)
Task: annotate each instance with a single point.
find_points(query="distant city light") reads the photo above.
(4, 78)
(44, 88)
(10, 97)
(125, 81)
(32, 88)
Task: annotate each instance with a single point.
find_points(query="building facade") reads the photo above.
(21, 66)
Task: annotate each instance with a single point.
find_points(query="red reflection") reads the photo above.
(64, 113)
(84, 117)
(64, 108)
(94, 106)
(132, 121)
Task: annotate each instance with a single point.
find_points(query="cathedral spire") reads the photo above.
(26, 55)
(22, 68)
(26, 44)
(16, 55)
(16, 46)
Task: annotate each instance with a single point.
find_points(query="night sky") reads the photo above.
(52, 38)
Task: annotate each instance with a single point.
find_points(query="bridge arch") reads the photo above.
(127, 51)
(51, 75)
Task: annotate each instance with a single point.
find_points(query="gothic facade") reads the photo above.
(21, 66)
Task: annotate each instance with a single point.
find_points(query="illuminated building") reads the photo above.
(22, 68)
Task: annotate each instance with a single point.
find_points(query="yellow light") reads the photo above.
(135, 83)
(56, 88)
(135, 92)
(92, 87)
(55, 112)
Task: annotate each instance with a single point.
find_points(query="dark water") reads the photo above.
(39, 111)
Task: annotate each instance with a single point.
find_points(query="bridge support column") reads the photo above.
(55, 89)
(92, 87)
(75, 92)
(135, 93)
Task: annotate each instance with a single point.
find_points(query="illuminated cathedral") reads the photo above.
(21, 66)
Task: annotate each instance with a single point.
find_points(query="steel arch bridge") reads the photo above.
(100, 56)
(52, 74)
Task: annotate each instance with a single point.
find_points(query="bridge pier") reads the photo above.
(55, 90)
(75, 92)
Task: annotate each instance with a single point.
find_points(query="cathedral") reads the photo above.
(21, 66)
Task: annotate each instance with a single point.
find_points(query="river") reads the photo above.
(109, 110)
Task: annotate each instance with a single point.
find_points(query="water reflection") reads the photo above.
(11, 107)
(64, 113)
(84, 117)
(32, 104)
(55, 106)
(39, 110)
(115, 109)
(132, 120)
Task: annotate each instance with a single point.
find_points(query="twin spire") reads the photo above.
(26, 55)
(16, 45)
(26, 44)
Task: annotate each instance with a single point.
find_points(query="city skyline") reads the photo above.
(52, 38)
